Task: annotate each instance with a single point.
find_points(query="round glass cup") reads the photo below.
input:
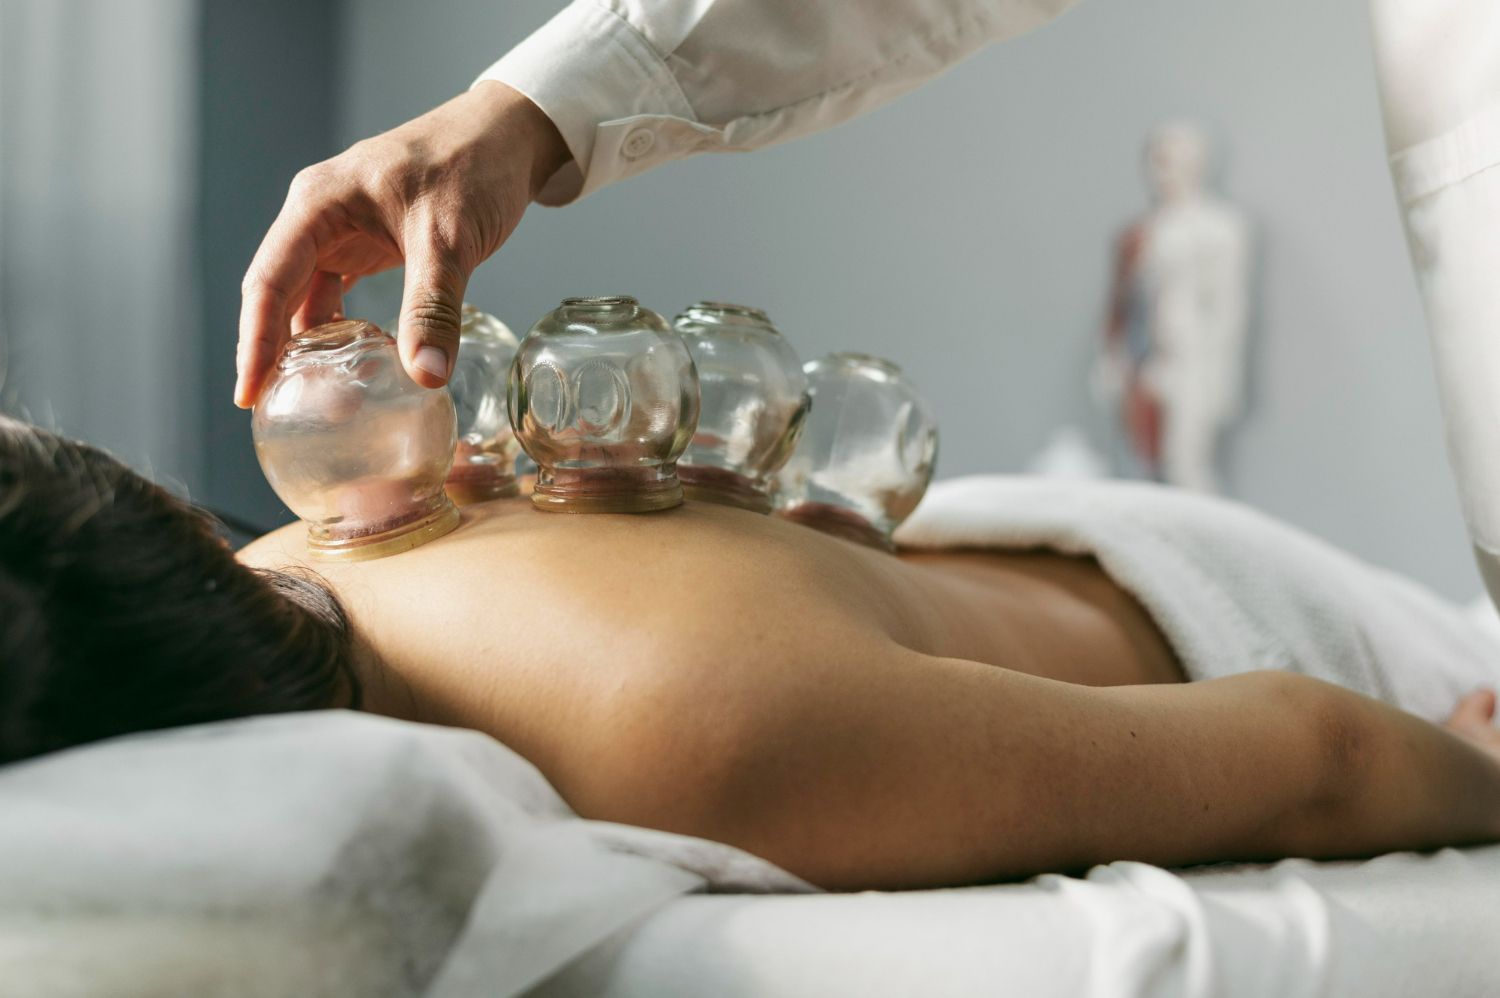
(604, 397)
(354, 447)
(484, 461)
(753, 399)
(866, 454)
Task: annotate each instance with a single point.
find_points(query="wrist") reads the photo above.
(517, 120)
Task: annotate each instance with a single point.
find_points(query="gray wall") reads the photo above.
(964, 232)
(98, 330)
(268, 104)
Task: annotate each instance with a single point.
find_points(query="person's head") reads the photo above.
(122, 610)
(1177, 160)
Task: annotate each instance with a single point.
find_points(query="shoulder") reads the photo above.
(280, 548)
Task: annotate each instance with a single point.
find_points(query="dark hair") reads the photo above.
(121, 609)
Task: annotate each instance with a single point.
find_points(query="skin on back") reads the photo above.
(867, 721)
(518, 615)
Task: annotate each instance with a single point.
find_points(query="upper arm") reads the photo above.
(879, 767)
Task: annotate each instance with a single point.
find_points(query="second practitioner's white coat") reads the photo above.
(1439, 63)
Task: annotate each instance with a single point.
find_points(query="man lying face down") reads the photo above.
(862, 719)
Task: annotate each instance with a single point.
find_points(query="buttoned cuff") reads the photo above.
(610, 94)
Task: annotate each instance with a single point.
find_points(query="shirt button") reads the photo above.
(638, 143)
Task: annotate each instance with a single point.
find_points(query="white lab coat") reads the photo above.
(632, 84)
(1439, 65)
(635, 83)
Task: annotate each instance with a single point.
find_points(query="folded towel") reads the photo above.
(1232, 590)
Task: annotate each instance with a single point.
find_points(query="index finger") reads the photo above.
(274, 286)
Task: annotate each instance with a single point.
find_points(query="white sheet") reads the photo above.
(338, 854)
(1400, 926)
(319, 854)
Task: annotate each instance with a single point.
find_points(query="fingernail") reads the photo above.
(433, 360)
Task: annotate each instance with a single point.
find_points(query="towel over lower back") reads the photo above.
(1233, 590)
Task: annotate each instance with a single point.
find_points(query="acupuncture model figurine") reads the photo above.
(1174, 353)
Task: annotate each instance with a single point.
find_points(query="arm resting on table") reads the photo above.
(900, 770)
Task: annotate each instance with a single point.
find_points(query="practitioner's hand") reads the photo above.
(1474, 720)
(440, 193)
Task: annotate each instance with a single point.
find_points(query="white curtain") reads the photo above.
(98, 296)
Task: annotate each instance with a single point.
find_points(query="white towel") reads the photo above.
(1232, 590)
(324, 854)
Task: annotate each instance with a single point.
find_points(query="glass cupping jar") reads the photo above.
(753, 400)
(604, 397)
(866, 453)
(484, 462)
(353, 446)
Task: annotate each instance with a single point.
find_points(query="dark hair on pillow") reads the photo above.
(122, 609)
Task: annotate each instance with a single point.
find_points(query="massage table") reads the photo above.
(336, 853)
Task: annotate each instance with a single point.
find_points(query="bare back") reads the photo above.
(867, 720)
(522, 624)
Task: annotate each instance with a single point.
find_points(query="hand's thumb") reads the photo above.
(431, 311)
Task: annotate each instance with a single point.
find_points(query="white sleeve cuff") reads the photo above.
(596, 76)
(1447, 159)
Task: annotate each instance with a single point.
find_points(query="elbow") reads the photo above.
(1343, 742)
(1339, 745)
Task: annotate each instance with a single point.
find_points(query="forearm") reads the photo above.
(870, 766)
(1392, 781)
(1269, 765)
(1264, 766)
(939, 771)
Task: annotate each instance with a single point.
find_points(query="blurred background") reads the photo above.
(965, 231)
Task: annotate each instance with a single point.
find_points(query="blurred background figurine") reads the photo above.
(1173, 359)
